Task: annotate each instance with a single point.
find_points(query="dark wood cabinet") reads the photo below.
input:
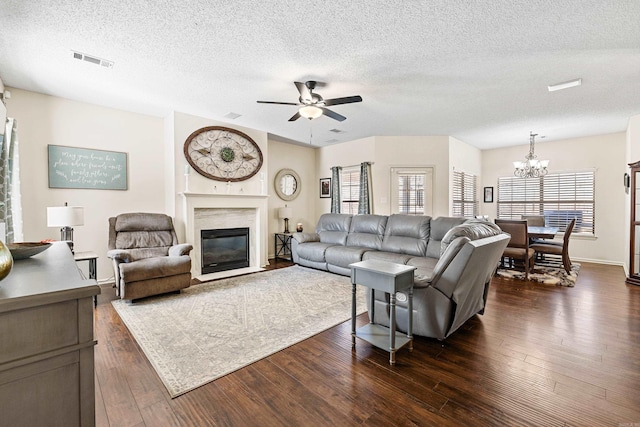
(634, 244)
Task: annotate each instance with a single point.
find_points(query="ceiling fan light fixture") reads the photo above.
(310, 112)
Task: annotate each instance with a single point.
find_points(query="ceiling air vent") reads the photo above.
(336, 131)
(92, 59)
(232, 116)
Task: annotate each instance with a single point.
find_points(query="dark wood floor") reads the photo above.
(540, 356)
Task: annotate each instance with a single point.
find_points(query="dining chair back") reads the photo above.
(556, 248)
(518, 247)
(534, 220)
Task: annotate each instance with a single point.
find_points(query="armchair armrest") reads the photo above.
(180, 249)
(306, 237)
(120, 255)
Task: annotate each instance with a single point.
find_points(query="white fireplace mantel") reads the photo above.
(254, 208)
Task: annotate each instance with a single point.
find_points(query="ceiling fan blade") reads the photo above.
(333, 114)
(345, 100)
(304, 90)
(295, 117)
(279, 103)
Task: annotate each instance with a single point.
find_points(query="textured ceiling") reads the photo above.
(475, 70)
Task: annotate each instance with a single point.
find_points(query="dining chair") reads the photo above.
(534, 220)
(558, 248)
(518, 247)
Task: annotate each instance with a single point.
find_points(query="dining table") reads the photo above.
(537, 232)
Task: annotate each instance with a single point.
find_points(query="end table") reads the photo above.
(92, 257)
(282, 246)
(390, 278)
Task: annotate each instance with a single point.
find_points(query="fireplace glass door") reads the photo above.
(224, 249)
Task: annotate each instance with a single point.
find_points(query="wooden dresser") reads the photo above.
(46, 342)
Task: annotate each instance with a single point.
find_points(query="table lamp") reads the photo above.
(285, 213)
(65, 217)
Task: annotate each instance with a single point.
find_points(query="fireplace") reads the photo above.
(224, 249)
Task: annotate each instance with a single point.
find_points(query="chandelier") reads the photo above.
(531, 167)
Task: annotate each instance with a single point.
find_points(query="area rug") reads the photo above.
(215, 328)
(548, 272)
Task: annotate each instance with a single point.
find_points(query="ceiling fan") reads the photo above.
(313, 105)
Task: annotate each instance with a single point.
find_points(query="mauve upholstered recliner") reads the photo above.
(147, 259)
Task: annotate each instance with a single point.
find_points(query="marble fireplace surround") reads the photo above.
(210, 211)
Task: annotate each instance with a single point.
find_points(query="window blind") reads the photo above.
(559, 197)
(465, 195)
(350, 190)
(411, 193)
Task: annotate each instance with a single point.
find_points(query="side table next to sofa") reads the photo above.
(390, 278)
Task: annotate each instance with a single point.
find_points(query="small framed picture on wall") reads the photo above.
(488, 194)
(325, 188)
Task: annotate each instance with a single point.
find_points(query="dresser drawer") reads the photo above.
(38, 330)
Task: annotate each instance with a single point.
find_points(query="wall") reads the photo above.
(302, 160)
(183, 126)
(44, 120)
(386, 152)
(350, 153)
(605, 154)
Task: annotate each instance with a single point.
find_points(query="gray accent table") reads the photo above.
(390, 278)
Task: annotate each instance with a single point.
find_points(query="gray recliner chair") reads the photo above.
(456, 289)
(147, 259)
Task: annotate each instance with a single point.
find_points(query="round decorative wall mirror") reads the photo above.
(287, 184)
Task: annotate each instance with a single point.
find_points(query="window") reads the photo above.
(350, 190)
(559, 197)
(412, 191)
(465, 195)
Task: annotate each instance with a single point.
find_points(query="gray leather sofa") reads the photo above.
(455, 259)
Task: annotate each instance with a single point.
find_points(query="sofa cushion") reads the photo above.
(152, 268)
(143, 221)
(473, 229)
(333, 228)
(423, 274)
(306, 237)
(313, 251)
(342, 256)
(386, 256)
(439, 228)
(144, 239)
(367, 231)
(406, 234)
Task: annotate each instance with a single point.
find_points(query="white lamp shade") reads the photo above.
(285, 213)
(65, 216)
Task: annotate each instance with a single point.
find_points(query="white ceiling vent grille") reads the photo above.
(336, 131)
(92, 59)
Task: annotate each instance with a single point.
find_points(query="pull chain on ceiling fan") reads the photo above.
(313, 105)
